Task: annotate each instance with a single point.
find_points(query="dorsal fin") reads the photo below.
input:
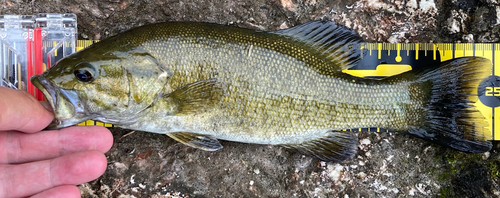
(338, 43)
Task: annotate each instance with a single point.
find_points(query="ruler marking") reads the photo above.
(473, 49)
(464, 47)
(493, 56)
(388, 48)
(493, 109)
(416, 51)
(483, 49)
(361, 49)
(425, 49)
(453, 47)
(408, 47)
(398, 53)
(443, 47)
(379, 51)
(434, 51)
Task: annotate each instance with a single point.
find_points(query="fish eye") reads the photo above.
(84, 72)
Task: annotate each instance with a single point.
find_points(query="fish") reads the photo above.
(200, 83)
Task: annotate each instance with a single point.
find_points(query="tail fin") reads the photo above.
(452, 120)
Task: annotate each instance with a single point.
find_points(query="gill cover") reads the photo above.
(146, 79)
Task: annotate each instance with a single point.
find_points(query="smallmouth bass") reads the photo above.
(200, 82)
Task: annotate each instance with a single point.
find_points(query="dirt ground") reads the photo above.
(152, 165)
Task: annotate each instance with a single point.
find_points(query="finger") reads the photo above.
(67, 191)
(17, 147)
(31, 178)
(22, 112)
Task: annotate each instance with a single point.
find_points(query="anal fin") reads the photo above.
(335, 146)
(203, 142)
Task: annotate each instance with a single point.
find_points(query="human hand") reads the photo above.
(45, 163)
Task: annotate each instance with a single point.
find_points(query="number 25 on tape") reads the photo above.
(492, 91)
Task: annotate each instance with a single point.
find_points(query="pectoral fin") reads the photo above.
(333, 147)
(203, 142)
(197, 97)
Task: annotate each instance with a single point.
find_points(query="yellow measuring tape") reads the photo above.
(386, 59)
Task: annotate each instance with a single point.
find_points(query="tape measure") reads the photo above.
(379, 60)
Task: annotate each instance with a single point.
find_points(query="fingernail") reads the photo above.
(47, 105)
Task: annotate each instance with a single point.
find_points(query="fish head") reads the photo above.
(112, 87)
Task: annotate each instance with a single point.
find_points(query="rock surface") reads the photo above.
(151, 165)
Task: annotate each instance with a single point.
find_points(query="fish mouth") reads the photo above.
(67, 107)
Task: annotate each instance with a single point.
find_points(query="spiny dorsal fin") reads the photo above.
(333, 147)
(203, 142)
(197, 97)
(338, 43)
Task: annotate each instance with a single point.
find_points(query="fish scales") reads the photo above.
(199, 82)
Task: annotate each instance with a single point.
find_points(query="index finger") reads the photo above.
(20, 111)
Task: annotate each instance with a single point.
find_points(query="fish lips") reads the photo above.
(68, 109)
